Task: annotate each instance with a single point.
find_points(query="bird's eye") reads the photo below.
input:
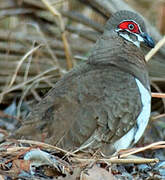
(131, 27)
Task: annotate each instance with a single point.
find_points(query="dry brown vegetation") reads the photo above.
(40, 40)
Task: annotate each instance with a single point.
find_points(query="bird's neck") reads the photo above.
(113, 50)
(110, 47)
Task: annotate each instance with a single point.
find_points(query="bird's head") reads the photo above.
(131, 27)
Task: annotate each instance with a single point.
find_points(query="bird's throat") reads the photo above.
(133, 38)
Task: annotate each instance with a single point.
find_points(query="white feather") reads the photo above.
(136, 132)
(144, 116)
(125, 141)
(125, 36)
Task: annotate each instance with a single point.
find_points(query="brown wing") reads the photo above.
(101, 102)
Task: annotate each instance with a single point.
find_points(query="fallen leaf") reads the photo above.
(96, 173)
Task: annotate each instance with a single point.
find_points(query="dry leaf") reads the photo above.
(97, 173)
(20, 165)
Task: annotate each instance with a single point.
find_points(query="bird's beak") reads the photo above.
(147, 40)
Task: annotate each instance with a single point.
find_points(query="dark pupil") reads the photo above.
(131, 26)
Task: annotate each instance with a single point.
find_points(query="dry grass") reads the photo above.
(38, 44)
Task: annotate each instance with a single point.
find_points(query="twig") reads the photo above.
(62, 28)
(137, 150)
(159, 91)
(36, 95)
(155, 49)
(158, 116)
(47, 44)
(17, 69)
(47, 146)
(83, 20)
(20, 63)
(158, 95)
(28, 81)
(28, 64)
(87, 34)
(67, 51)
(25, 92)
(119, 161)
(16, 11)
(158, 79)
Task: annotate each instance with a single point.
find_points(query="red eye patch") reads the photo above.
(129, 25)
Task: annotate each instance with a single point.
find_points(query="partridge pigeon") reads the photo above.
(104, 103)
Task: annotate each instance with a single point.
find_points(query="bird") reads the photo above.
(104, 103)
